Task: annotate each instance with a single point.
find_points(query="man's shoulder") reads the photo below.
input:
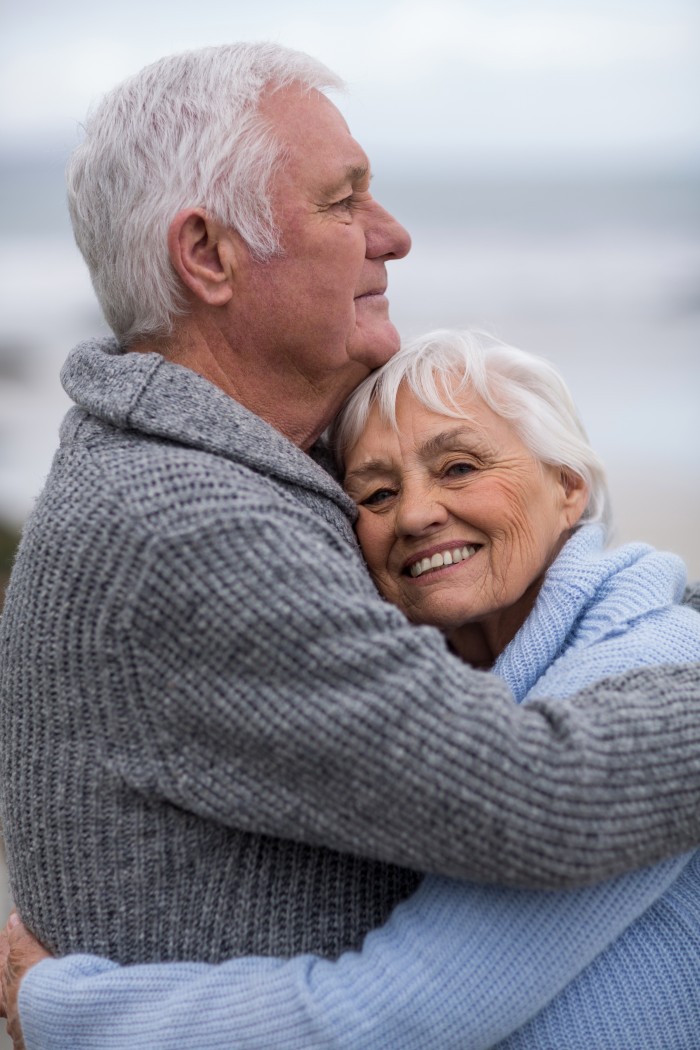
(157, 485)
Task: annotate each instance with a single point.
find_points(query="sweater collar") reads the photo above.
(589, 594)
(147, 393)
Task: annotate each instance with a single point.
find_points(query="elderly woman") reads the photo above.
(482, 511)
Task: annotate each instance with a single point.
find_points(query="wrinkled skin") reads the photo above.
(19, 951)
(437, 484)
(292, 335)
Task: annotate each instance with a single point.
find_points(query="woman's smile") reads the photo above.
(429, 563)
(458, 521)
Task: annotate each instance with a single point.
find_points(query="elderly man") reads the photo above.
(217, 739)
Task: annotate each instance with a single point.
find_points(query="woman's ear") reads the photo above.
(202, 254)
(576, 494)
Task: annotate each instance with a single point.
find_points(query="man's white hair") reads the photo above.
(441, 367)
(184, 132)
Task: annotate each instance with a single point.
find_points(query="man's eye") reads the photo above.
(376, 498)
(346, 203)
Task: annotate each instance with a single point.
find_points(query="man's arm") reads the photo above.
(464, 964)
(323, 715)
(469, 962)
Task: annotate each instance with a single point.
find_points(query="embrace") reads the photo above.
(249, 801)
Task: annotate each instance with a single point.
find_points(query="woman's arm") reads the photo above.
(455, 966)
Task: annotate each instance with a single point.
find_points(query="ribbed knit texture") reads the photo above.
(207, 712)
(600, 612)
(419, 984)
(440, 999)
(612, 609)
(643, 992)
(457, 966)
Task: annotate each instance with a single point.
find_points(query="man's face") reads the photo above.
(318, 310)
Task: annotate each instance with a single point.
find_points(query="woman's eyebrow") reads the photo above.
(368, 469)
(448, 439)
(433, 446)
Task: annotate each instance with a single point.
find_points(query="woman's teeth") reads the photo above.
(438, 560)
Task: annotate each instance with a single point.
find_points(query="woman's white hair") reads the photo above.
(441, 367)
(184, 132)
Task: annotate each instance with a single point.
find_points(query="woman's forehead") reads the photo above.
(422, 430)
(419, 427)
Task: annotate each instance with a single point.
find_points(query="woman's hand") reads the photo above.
(19, 951)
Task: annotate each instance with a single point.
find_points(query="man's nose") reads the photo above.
(386, 237)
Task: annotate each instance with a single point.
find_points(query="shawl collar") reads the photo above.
(147, 393)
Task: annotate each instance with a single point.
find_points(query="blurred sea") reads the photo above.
(598, 272)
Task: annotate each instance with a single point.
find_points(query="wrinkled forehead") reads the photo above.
(420, 408)
(413, 424)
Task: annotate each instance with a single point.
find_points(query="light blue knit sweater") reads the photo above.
(457, 966)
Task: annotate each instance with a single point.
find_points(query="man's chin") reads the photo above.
(373, 348)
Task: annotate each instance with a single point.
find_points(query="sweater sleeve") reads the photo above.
(445, 972)
(322, 715)
(456, 964)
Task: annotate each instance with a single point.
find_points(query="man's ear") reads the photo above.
(576, 493)
(202, 254)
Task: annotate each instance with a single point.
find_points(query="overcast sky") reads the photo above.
(596, 81)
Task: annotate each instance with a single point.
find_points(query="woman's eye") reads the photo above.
(376, 498)
(459, 470)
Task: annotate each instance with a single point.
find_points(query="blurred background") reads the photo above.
(544, 155)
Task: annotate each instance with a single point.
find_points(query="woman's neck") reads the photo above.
(481, 642)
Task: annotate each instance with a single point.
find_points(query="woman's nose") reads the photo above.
(418, 512)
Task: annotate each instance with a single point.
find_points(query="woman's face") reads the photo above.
(457, 521)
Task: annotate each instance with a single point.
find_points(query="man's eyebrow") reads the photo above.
(357, 172)
(354, 173)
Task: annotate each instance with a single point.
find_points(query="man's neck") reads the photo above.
(289, 407)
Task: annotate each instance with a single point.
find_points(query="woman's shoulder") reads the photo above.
(612, 610)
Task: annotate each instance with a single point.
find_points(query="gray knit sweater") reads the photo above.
(209, 717)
